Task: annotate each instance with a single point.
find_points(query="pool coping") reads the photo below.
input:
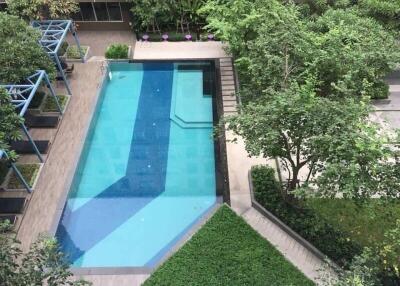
(222, 196)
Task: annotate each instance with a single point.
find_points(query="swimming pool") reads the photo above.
(147, 171)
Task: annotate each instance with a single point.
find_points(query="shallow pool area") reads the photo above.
(147, 172)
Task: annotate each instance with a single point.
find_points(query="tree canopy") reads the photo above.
(20, 53)
(41, 9)
(9, 122)
(43, 264)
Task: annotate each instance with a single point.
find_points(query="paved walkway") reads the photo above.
(178, 50)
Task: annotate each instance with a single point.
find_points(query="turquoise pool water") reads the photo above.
(147, 171)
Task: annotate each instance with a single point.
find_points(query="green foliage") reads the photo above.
(330, 139)
(385, 11)
(333, 242)
(10, 122)
(347, 54)
(352, 55)
(37, 100)
(389, 250)
(43, 264)
(117, 51)
(363, 236)
(4, 167)
(157, 16)
(73, 51)
(50, 104)
(41, 9)
(28, 171)
(20, 54)
(227, 251)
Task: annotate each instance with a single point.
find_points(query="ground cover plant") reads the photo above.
(227, 251)
(28, 171)
(117, 51)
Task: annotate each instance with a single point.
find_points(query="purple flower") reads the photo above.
(145, 37)
(164, 37)
(188, 37)
(210, 37)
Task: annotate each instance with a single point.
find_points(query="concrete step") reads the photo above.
(228, 82)
(226, 68)
(228, 109)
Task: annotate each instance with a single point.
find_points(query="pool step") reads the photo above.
(228, 88)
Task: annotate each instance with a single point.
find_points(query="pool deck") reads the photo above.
(50, 194)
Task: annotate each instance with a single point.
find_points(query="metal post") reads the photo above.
(32, 142)
(73, 31)
(62, 73)
(19, 175)
(53, 93)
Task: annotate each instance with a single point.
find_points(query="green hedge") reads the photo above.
(334, 243)
(50, 104)
(117, 51)
(227, 251)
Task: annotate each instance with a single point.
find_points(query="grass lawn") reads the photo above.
(227, 251)
(28, 171)
(50, 104)
(364, 223)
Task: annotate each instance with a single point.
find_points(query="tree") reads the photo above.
(43, 264)
(349, 55)
(20, 53)
(9, 122)
(330, 140)
(41, 9)
(384, 11)
(352, 55)
(154, 16)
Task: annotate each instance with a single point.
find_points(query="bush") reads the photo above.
(332, 242)
(73, 52)
(50, 104)
(117, 51)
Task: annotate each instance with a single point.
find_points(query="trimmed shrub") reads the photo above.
(117, 51)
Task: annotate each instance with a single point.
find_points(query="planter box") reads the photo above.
(85, 57)
(123, 60)
(42, 112)
(8, 177)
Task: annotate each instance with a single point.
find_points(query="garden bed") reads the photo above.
(338, 228)
(50, 106)
(174, 37)
(29, 171)
(227, 251)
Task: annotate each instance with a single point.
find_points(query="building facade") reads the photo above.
(103, 15)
